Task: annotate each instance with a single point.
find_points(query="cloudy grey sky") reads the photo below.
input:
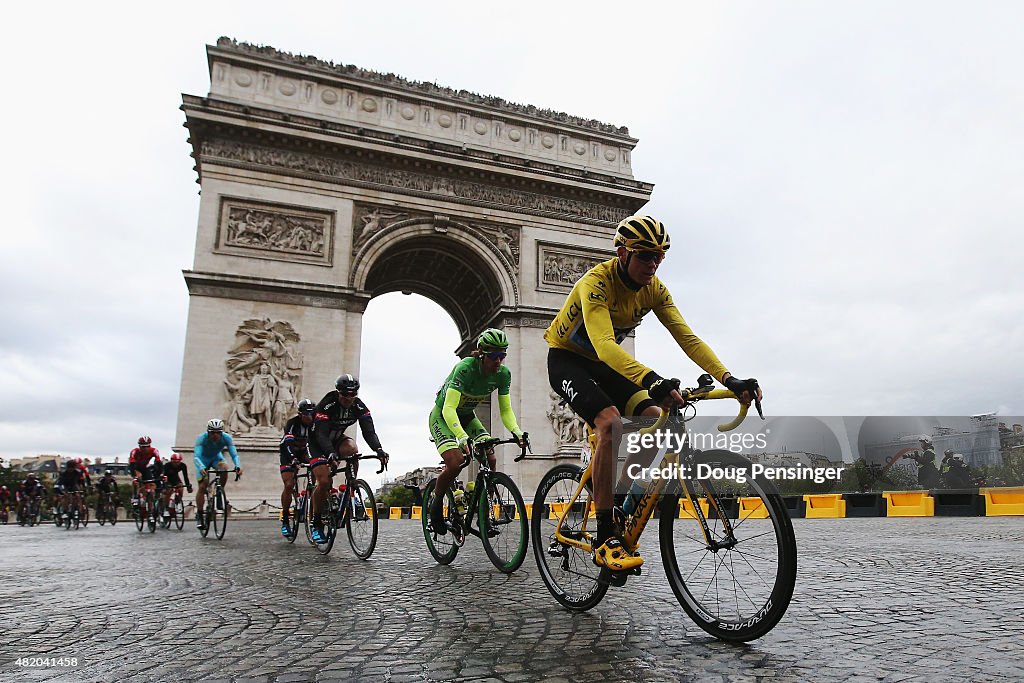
(844, 186)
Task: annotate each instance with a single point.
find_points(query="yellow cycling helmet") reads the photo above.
(641, 233)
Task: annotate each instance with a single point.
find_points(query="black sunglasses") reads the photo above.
(649, 256)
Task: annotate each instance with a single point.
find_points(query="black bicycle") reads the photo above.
(297, 509)
(351, 507)
(217, 505)
(494, 502)
(106, 511)
(145, 509)
(32, 513)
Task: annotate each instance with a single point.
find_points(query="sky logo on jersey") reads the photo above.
(568, 390)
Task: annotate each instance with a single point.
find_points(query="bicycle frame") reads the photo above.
(636, 521)
(480, 484)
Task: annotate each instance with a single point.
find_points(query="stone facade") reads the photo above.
(325, 185)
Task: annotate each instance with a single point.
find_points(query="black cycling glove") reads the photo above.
(738, 386)
(661, 388)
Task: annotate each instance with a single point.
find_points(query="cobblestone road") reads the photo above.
(886, 599)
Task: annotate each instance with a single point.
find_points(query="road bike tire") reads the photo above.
(58, 516)
(161, 507)
(151, 512)
(569, 573)
(101, 515)
(85, 516)
(442, 546)
(330, 525)
(179, 513)
(294, 510)
(504, 528)
(111, 511)
(361, 528)
(220, 513)
(204, 530)
(137, 516)
(739, 592)
(307, 516)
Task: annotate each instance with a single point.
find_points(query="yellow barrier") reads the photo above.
(529, 511)
(417, 512)
(370, 512)
(825, 505)
(395, 513)
(555, 510)
(908, 504)
(686, 509)
(753, 508)
(1002, 501)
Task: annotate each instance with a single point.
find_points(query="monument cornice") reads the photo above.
(203, 112)
(271, 290)
(356, 172)
(267, 56)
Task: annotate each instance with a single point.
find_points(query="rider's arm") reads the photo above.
(452, 398)
(366, 427)
(508, 417)
(198, 455)
(230, 444)
(692, 345)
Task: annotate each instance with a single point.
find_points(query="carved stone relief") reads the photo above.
(408, 181)
(568, 427)
(370, 220)
(561, 269)
(279, 232)
(264, 378)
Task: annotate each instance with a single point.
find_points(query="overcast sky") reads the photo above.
(843, 183)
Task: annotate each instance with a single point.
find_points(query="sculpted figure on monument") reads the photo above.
(568, 428)
(374, 222)
(275, 231)
(263, 389)
(264, 376)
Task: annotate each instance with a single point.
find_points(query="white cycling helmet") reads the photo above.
(215, 425)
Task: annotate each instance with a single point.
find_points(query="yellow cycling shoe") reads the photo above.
(613, 555)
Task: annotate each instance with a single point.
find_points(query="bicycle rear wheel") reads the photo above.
(85, 515)
(294, 510)
(220, 513)
(568, 572)
(179, 512)
(442, 546)
(362, 520)
(330, 525)
(737, 584)
(503, 526)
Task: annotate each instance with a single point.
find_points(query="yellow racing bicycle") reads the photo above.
(726, 540)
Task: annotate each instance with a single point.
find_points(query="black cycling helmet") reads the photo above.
(306, 406)
(347, 384)
(108, 473)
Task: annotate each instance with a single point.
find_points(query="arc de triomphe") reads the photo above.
(325, 185)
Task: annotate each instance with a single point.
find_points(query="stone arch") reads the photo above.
(451, 263)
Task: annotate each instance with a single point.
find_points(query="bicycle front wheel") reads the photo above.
(442, 546)
(503, 526)
(112, 514)
(735, 582)
(568, 572)
(179, 513)
(362, 520)
(137, 516)
(151, 511)
(220, 513)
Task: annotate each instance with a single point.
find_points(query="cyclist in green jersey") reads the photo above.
(453, 424)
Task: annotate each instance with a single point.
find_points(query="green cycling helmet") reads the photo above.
(492, 340)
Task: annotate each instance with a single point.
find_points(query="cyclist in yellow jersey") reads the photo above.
(600, 381)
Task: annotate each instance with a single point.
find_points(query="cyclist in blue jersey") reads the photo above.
(209, 450)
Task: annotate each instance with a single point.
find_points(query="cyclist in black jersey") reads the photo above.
(175, 476)
(106, 484)
(335, 413)
(294, 450)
